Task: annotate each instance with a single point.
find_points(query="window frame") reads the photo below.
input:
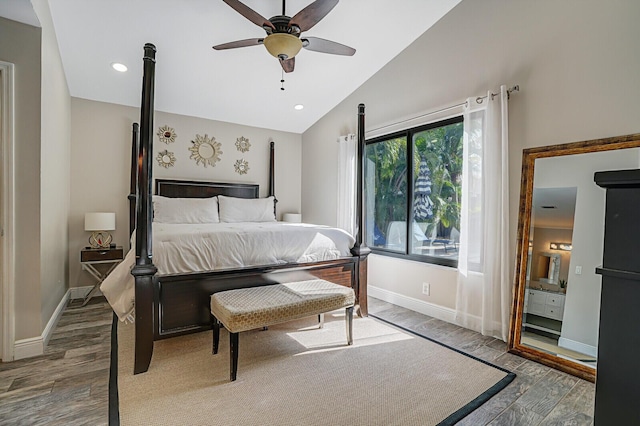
(408, 135)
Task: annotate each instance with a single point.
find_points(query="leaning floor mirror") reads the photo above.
(555, 315)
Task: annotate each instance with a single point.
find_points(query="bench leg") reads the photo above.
(215, 326)
(320, 320)
(233, 344)
(349, 319)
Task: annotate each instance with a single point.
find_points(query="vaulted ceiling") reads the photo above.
(240, 85)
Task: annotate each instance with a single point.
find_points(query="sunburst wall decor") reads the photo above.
(205, 150)
(166, 159)
(243, 144)
(166, 134)
(242, 167)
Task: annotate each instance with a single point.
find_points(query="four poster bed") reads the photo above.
(171, 304)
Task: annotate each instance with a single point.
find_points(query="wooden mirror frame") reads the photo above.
(529, 156)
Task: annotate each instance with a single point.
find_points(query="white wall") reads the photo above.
(100, 165)
(576, 63)
(54, 169)
(20, 45)
(42, 141)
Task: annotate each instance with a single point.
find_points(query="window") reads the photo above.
(412, 186)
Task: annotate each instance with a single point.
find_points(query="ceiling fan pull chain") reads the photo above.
(282, 80)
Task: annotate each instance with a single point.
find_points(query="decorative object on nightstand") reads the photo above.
(90, 258)
(292, 217)
(100, 223)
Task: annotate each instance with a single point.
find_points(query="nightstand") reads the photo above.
(90, 258)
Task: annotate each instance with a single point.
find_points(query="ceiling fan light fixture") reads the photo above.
(282, 45)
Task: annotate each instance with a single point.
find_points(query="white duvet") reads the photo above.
(187, 248)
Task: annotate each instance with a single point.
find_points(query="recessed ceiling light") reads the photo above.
(119, 67)
(298, 107)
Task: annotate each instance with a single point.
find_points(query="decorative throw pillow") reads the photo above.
(234, 209)
(185, 210)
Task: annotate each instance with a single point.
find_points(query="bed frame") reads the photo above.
(172, 305)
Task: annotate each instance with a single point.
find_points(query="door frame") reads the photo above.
(7, 210)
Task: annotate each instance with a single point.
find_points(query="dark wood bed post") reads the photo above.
(272, 175)
(133, 180)
(144, 270)
(360, 249)
(272, 180)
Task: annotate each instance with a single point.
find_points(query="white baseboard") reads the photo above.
(27, 348)
(426, 308)
(79, 292)
(34, 346)
(583, 348)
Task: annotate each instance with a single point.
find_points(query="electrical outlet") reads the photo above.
(578, 270)
(426, 288)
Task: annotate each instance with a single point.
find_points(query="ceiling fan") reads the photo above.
(283, 32)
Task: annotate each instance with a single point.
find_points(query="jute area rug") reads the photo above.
(297, 374)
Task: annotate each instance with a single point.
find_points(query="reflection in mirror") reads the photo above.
(552, 218)
(555, 314)
(548, 268)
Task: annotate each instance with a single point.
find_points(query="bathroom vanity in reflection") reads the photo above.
(546, 304)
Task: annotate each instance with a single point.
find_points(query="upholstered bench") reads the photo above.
(258, 307)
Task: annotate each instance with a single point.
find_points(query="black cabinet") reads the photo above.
(618, 374)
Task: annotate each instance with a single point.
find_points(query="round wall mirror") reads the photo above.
(205, 150)
(166, 159)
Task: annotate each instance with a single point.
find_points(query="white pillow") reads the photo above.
(185, 210)
(234, 209)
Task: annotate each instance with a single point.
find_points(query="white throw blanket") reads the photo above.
(182, 248)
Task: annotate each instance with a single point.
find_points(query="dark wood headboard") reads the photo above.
(201, 189)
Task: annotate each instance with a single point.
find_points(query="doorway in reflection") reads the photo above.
(548, 277)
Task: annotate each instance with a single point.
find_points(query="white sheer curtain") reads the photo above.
(484, 285)
(347, 183)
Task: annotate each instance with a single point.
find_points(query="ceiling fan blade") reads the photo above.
(327, 46)
(288, 64)
(312, 14)
(249, 13)
(239, 43)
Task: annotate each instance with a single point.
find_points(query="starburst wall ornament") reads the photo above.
(241, 166)
(206, 151)
(243, 144)
(166, 159)
(166, 134)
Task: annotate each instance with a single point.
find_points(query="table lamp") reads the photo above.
(99, 224)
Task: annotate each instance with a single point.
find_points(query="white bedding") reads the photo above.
(185, 248)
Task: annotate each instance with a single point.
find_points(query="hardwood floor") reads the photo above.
(68, 385)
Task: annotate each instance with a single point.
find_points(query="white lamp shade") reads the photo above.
(99, 221)
(292, 217)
